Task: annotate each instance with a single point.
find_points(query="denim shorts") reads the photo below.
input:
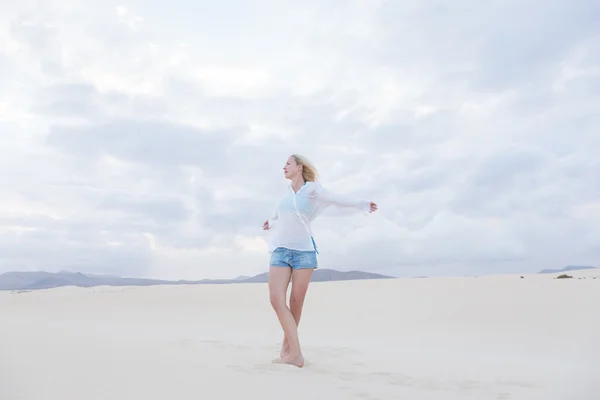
(296, 259)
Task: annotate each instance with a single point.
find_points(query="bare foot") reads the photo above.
(285, 350)
(298, 360)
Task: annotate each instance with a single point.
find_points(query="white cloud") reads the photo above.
(148, 140)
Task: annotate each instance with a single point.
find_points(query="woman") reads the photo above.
(293, 249)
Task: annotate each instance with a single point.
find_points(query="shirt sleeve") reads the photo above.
(274, 216)
(327, 197)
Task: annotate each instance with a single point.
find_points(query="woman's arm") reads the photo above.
(274, 216)
(330, 198)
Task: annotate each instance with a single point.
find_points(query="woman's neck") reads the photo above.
(297, 183)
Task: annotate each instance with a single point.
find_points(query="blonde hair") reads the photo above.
(309, 172)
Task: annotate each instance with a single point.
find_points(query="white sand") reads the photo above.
(496, 337)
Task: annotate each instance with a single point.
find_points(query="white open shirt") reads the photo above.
(290, 222)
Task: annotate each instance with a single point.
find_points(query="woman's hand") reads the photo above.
(266, 225)
(373, 207)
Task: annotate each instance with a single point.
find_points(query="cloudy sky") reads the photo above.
(147, 138)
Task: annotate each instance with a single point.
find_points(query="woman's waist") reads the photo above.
(295, 234)
(300, 241)
(294, 223)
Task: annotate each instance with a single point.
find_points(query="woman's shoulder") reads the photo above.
(313, 187)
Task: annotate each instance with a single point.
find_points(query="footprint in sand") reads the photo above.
(401, 380)
(468, 386)
(515, 383)
(366, 396)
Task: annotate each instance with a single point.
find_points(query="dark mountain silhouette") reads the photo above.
(327, 275)
(565, 269)
(31, 280)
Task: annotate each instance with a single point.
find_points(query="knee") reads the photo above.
(277, 301)
(296, 300)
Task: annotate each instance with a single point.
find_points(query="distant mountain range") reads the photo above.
(565, 269)
(31, 280)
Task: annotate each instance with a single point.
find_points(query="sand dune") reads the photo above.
(494, 337)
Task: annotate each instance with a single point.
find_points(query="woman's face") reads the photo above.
(291, 168)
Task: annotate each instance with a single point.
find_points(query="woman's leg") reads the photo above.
(279, 278)
(300, 281)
